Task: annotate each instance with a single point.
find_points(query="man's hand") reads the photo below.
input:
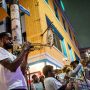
(27, 46)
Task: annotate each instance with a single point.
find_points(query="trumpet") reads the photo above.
(17, 48)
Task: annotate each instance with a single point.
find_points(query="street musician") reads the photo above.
(11, 77)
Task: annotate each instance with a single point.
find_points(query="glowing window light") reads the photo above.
(46, 1)
(62, 5)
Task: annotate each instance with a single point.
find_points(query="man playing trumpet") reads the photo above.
(11, 77)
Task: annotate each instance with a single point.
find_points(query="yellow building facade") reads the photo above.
(43, 14)
(48, 25)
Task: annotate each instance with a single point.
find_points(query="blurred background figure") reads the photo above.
(59, 75)
(36, 83)
(87, 70)
(42, 80)
(50, 82)
(77, 69)
(67, 77)
(86, 65)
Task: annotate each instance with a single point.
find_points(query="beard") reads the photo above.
(8, 46)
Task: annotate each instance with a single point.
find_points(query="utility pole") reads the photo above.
(15, 24)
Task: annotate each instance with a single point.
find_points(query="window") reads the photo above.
(58, 38)
(64, 25)
(62, 5)
(64, 47)
(46, 1)
(36, 67)
(77, 58)
(56, 11)
(57, 42)
(70, 32)
(71, 53)
(60, 44)
(50, 38)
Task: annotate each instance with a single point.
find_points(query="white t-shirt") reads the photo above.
(38, 86)
(32, 87)
(52, 84)
(8, 79)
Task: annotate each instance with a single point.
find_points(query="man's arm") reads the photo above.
(24, 64)
(76, 70)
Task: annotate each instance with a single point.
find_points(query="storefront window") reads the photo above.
(37, 67)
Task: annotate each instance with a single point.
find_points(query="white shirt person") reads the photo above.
(11, 76)
(52, 84)
(8, 79)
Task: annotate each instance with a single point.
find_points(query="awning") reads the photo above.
(3, 13)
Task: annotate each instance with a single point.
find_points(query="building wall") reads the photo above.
(32, 22)
(36, 24)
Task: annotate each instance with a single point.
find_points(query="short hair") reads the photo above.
(41, 76)
(56, 70)
(3, 34)
(74, 62)
(64, 68)
(33, 76)
(47, 69)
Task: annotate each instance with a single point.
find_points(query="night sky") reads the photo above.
(78, 12)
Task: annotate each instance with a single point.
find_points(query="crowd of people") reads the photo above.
(75, 76)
